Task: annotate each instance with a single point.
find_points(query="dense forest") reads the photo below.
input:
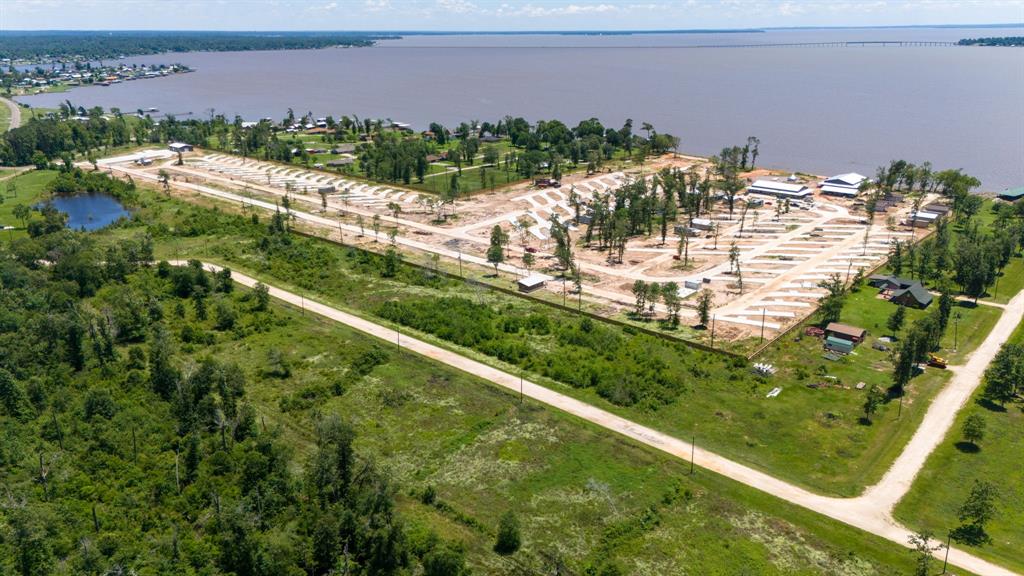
(125, 449)
(996, 41)
(86, 45)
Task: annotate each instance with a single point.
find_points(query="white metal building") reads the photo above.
(779, 189)
(846, 185)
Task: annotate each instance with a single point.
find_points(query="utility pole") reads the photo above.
(763, 312)
(713, 331)
(945, 561)
(520, 386)
(693, 448)
(956, 326)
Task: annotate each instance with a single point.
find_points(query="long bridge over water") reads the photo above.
(833, 44)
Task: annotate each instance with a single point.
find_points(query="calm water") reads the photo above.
(822, 109)
(90, 211)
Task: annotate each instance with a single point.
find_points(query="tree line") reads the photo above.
(83, 45)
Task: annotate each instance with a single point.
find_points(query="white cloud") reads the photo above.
(457, 6)
(376, 5)
(535, 11)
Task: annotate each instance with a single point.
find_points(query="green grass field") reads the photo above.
(584, 497)
(944, 482)
(30, 188)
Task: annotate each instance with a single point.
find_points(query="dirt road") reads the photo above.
(15, 113)
(870, 512)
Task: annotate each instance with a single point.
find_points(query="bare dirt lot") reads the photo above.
(783, 249)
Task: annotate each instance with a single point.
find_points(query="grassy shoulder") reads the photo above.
(5, 117)
(946, 479)
(811, 436)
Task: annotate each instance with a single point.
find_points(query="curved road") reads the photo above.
(15, 113)
(871, 512)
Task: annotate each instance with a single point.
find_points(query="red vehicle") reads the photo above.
(531, 249)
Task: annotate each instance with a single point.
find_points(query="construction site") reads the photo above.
(763, 262)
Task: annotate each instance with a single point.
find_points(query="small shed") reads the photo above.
(326, 189)
(838, 345)
(923, 219)
(531, 283)
(845, 332)
(179, 147)
(702, 224)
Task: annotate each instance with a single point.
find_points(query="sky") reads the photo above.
(483, 15)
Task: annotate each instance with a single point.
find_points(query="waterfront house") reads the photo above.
(779, 189)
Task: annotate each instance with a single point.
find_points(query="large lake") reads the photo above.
(818, 109)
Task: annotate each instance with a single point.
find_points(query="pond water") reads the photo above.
(90, 211)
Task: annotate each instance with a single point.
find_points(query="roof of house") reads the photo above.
(896, 280)
(1012, 193)
(848, 179)
(845, 330)
(340, 161)
(916, 291)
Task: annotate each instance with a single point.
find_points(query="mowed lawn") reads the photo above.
(30, 187)
(584, 497)
(945, 481)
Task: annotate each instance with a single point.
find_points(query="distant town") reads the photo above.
(62, 77)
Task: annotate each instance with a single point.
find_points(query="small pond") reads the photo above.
(90, 211)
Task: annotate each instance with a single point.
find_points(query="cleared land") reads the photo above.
(783, 254)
